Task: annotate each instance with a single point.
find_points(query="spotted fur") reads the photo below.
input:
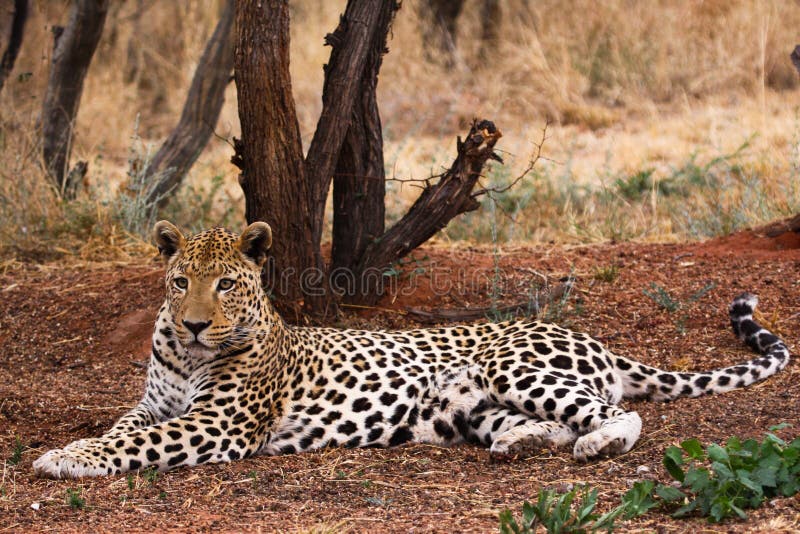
(228, 379)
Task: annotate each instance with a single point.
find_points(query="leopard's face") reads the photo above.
(213, 286)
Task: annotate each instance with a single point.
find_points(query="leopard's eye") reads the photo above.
(181, 282)
(225, 284)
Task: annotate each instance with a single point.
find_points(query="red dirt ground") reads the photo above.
(75, 340)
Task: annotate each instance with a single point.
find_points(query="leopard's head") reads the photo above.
(213, 283)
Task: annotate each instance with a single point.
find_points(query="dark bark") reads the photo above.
(436, 206)
(270, 153)
(351, 44)
(359, 178)
(438, 18)
(72, 53)
(18, 19)
(200, 113)
(280, 187)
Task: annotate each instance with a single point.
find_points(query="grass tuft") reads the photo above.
(74, 499)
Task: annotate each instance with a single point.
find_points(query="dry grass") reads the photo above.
(632, 87)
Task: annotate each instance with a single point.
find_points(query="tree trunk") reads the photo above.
(351, 42)
(435, 207)
(200, 113)
(290, 193)
(72, 53)
(270, 153)
(359, 178)
(18, 19)
(280, 187)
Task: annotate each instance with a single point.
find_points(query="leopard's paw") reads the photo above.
(65, 463)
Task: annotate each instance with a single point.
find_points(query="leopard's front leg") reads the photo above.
(191, 439)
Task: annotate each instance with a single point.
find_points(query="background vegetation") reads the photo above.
(670, 121)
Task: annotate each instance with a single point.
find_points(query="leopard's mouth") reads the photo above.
(200, 351)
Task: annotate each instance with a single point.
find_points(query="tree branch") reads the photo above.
(531, 164)
(200, 113)
(72, 53)
(343, 74)
(436, 206)
(359, 176)
(14, 40)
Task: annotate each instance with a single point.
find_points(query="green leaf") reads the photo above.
(508, 525)
(722, 471)
(743, 478)
(738, 511)
(717, 453)
(528, 513)
(673, 459)
(693, 448)
(775, 439)
(697, 479)
(718, 511)
(639, 499)
(669, 493)
(588, 502)
(766, 475)
(606, 521)
(779, 426)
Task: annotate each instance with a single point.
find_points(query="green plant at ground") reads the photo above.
(716, 482)
(662, 297)
(572, 511)
(16, 453)
(74, 499)
(150, 475)
(723, 481)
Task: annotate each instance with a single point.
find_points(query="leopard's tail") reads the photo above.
(643, 381)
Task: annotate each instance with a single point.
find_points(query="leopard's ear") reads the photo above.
(169, 239)
(255, 241)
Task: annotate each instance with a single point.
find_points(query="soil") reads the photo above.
(76, 341)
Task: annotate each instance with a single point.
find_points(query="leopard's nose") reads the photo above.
(196, 328)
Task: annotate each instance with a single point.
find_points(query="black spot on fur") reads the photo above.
(702, 382)
(361, 405)
(387, 399)
(443, 429)
(561, 362)
(347, 428)
(400, 436)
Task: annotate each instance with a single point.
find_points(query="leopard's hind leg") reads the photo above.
(509, 432)
(563, 409)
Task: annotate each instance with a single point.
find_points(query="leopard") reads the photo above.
(228, 379)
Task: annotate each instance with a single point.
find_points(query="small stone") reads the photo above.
(36, 506)
(642, 469)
